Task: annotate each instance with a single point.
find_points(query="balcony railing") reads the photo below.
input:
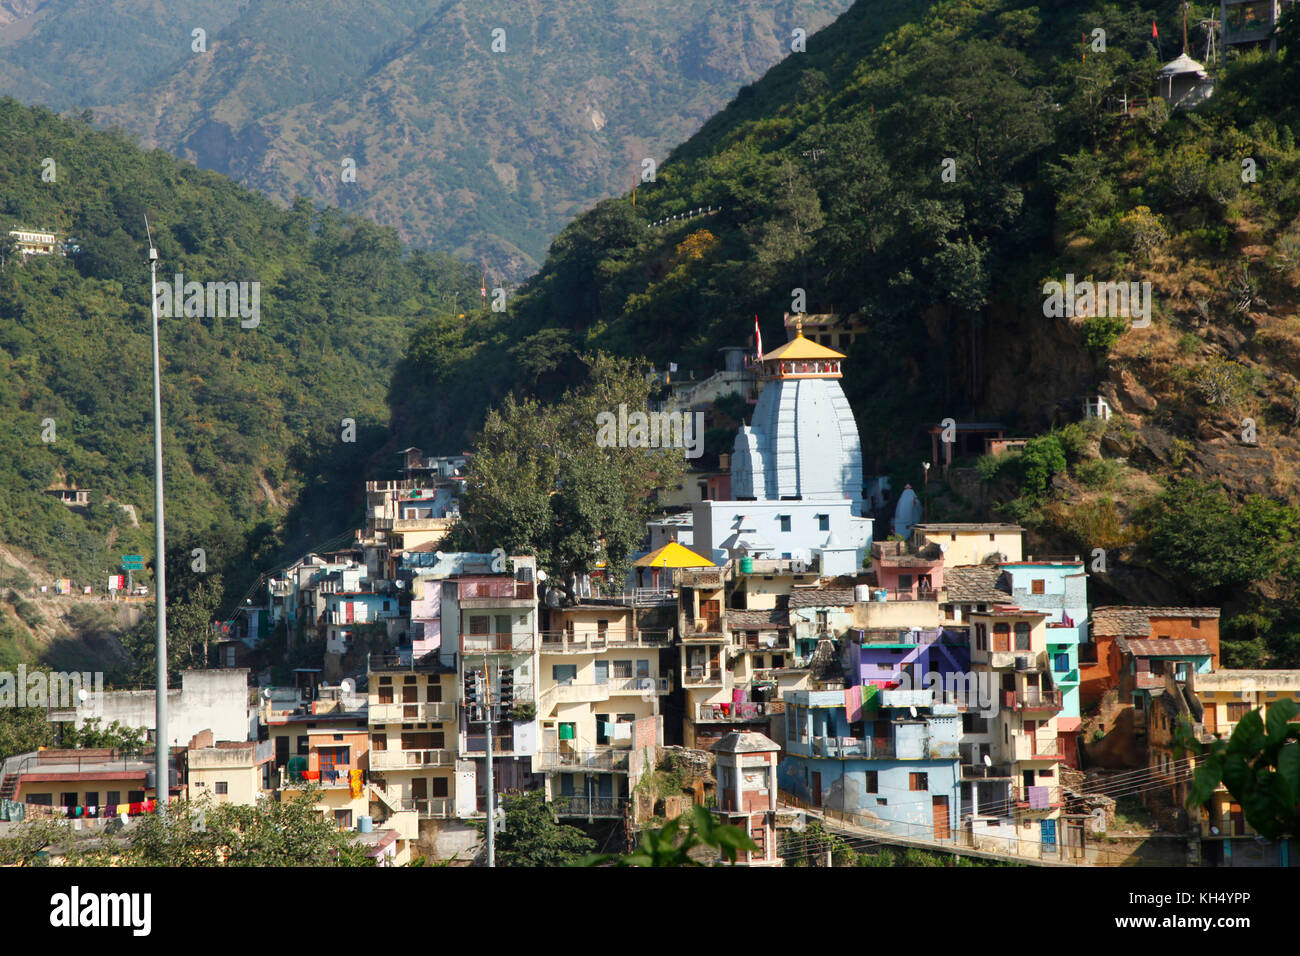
(1035, 699)
(1053, 798)
(565, 806)
(852, 747)
(908, 594)
(581, 642)
(410, 759)
(755, 710)
(1033, 748)
(702, 676)
(980, 771)
(494, 642)
(581, 760)
(640, 685)
(395, 713)
(431, 807)
(477, 744)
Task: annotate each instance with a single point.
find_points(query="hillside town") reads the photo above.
(925, 684)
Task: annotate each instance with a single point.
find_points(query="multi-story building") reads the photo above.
(1012, 644)
(599, 676)
(413, 726)
(229, 771)
(1227, 696)
(966, 543)
(888, 757)
(92, 784)
(746, 766)
(1099, 663)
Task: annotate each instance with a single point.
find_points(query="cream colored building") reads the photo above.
(967, 544)
(599, 675)
(230, 772)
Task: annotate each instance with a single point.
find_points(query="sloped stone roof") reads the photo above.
(822, 597)
(976, 584)
(759, 620)
(1135, 621)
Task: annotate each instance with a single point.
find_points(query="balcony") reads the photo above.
(1038, 748)
(432, 808)
(1032, 698)
(979, 771)
(841, 747)
(731, 713)
(496, 643)
(503, 593)
(706, 629)
(767, 644)
(702, 677)
(1049, 800)
(566, 806)
(604, 760)
(410, 759)
(476, 744)
(573, 693)
(640, 685)
(330, 779)
(407, 713)
(583, 642)
(915, 593)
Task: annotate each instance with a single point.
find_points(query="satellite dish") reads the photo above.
(541, 575)
(266, 693)
(988, 761)
(943, 547)
(347, 685)
(82, 695)
(912, 711)
(799, 825)
(437, 557)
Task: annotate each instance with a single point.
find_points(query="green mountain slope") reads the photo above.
(253, 415)
(829, 176)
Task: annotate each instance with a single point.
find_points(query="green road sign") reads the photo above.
(132, 562)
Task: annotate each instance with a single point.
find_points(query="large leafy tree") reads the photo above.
(540, 484)
(1260, 766)
(533, 837)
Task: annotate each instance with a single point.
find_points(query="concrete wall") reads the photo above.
(215, 700)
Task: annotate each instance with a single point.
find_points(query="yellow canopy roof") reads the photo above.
(673, 555)
(802, 348)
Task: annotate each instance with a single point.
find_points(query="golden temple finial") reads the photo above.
(798, 324)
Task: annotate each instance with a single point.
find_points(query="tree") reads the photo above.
(23, 730)
(532, 836)
(1260, 766)
(673, 843)
(540, 483)
(91, 735)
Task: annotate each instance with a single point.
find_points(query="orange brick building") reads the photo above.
(1099, 662)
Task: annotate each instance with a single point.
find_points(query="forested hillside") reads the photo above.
(828, 175)
(253, 415)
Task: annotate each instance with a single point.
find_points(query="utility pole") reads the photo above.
(491, 779)
(162, 779)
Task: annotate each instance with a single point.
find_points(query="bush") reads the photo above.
(1101, 332)
(1099, 473)
(1042, 459)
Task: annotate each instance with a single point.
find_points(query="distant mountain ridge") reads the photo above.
(462, 149)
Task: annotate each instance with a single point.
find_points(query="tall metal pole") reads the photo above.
(491, 780)
(162, 779)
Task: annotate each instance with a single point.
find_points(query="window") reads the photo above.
(1022, 636)
(92, 798)
(379, 741)
(223, 788)
(1237, 711)
(386, 694)
(1001, 636)
(785, 522)
(643, 668)
(1060, 662)
(302, 748)
(1196, 623)
(602, 672)
(872, 782)
(622, 669)
(904, 582)
(823, 522)
(564, 673)
(113, 798)
(440, 786)
(343, 819)
(1037, 586)
(918, 781)
(981, 637)
(40, 799)
(625, 718)
(479, 624)
(435, 692)
(135, 796)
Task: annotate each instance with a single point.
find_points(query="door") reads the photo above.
(939, 810)
(1211, 718)
(711, 612)
(816, 787)
(281, 751)
(1048, 830)
(420, 793)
